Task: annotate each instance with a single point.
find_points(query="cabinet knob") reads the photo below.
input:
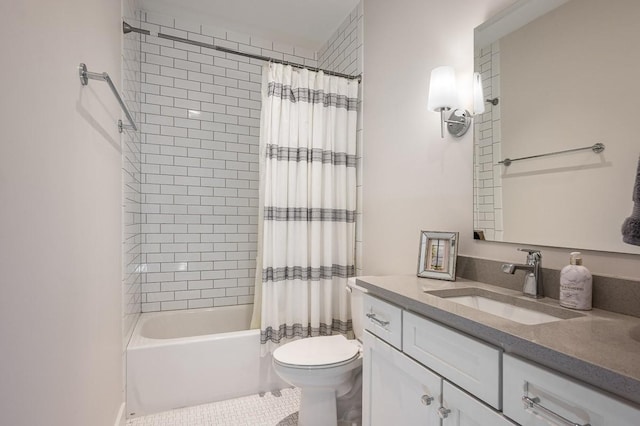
(443, 413)
(426, 399)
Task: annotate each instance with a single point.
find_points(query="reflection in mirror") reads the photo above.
(563, 75)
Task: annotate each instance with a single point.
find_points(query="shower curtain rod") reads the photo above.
(126, 28)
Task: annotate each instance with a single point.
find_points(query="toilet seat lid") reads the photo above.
(316, 351)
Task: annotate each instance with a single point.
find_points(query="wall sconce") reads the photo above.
(443, 96)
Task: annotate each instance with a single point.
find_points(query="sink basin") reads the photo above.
(509, 307)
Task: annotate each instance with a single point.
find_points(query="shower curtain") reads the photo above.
(306, 247)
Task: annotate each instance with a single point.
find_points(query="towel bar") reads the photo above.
(85, 76)
(597, 148)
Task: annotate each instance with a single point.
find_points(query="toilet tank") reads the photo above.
(356, 293)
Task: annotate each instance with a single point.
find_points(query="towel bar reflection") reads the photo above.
(596, 148)
(85, 76)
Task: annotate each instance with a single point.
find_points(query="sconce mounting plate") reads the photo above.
(459, 122)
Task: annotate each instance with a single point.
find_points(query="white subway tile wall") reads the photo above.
(200, 128)
(343, 53)
(488, 181)
(131, 176)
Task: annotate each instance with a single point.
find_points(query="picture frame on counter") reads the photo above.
(437, 256)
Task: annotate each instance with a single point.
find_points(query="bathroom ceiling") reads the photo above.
(304, 23)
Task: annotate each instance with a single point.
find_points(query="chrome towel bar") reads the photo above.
(85, 76)
(597, 148)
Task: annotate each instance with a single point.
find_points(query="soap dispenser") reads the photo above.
(576, 284)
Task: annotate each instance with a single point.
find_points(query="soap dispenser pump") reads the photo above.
(576, 284)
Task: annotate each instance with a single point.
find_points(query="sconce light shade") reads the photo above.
(443, 93)
(478, 95)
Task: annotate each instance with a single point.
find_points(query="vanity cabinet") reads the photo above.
(400, 390)
(419, 372)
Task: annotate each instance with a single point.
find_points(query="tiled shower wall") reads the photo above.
(131, 197)
(200, 127)
(488, 182)
(343, 53)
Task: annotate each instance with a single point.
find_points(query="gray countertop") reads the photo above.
(600, 348)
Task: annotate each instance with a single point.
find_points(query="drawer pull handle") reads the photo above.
(426, 399)
(443, 413)
(535, 403)
(380, 322)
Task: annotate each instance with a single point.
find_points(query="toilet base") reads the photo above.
(318, 407)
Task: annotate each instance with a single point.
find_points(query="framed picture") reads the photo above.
(438, 255)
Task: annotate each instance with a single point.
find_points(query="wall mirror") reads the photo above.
(563, 75)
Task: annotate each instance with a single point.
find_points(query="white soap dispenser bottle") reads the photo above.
(576, 284)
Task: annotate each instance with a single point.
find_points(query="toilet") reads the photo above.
(324, 367)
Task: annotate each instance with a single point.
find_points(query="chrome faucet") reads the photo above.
(532, 286)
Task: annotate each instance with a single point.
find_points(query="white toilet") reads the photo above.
(323, 367)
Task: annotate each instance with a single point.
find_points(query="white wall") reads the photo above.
(413, 179)
(60, 215)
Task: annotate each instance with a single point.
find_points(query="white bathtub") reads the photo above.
(184, 358)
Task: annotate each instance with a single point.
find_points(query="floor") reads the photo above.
(278, 408)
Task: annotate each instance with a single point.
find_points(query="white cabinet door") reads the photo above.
(536, 396)
(461, 409)
(397, 390)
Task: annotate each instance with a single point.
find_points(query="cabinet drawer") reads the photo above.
(383, 320)
(556, 397)
(469, 363)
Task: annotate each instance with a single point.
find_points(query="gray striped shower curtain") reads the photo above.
(306, 247)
